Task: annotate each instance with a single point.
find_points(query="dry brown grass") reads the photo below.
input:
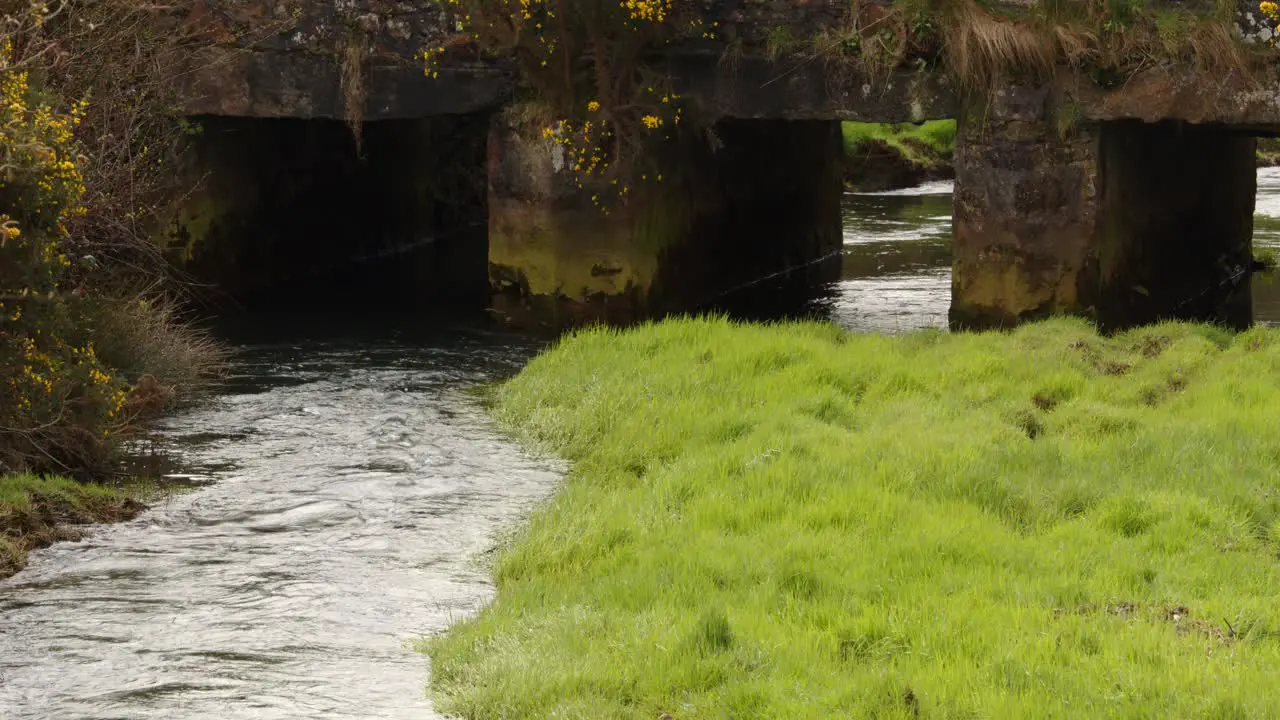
(354, 91)
(983, 50)
(1212, 46)
(144, 333)
(1075, 46)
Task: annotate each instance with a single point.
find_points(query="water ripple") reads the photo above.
(357, 485)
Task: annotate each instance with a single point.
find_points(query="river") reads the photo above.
(348, 486)
(897, 260)
(357, 487)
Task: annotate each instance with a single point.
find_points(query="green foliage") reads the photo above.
(939, 136)
(1269, 258)
(792, 522)
(1268, 152)
(1068, 114)
(17, 492)
(778, 42)
(58, 402)
(882, 156)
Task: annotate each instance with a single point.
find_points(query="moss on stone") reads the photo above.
(576, 257)
(192, 224)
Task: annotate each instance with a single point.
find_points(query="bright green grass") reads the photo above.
(16, 491)
(792, 522)
(33, 509)
(939, 136)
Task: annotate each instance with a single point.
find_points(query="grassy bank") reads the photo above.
(792, 522)
(1268, 152)
(36, 511)
(881, 157)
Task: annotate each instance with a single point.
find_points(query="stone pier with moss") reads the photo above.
(1087, 140)
(688, 232)
(1121, 221)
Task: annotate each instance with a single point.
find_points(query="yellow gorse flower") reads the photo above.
(44, 370)
(588, 144)
(654, 11)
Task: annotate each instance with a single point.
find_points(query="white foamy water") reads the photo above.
(357, 487)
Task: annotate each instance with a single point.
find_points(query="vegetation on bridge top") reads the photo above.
(582, 61)
(586, 63)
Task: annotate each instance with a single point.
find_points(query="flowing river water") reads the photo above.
(349, 488)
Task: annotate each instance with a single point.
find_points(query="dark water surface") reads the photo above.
(358, 486)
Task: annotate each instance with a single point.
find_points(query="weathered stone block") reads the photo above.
(1176, 223)
(766, 201)
(1123, 222)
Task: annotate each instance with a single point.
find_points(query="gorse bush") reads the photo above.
(68, 259)
(61, 401)
(120, 56)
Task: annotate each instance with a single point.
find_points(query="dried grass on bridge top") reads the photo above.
(984, 50)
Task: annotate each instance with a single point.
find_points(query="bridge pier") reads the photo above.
(288, 213)
(755, 198)
(1123, 222)
(1177, 223)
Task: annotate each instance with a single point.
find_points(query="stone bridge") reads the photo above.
(1123, 200)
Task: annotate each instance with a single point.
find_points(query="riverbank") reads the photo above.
(1268, 152)
(788, 521)
(36, 512)
(887, 157)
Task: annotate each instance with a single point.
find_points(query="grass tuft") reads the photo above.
(789, 521)
(982, 49)
(37, 510)
(937, 136)
(145, 334)
(986, 47)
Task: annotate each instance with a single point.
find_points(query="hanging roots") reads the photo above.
(354, 92)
